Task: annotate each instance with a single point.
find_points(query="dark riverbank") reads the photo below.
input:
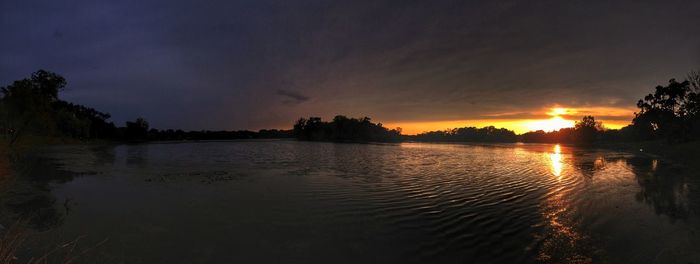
(687, 154)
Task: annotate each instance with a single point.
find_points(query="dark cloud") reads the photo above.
(392, 60)
(295, 97)
(57, 34)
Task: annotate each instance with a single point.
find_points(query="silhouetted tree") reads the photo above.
(564, 135)
(670, 112)
(32, 106)
(26, 104)
(693, 105)
(137, 130)
(469, 134)
(344, 129)
(81, 121)
(586, 130)
(48, 83)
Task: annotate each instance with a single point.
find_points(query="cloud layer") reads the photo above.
(257, 64)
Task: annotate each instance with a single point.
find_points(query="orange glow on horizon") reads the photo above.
(561, 117)
(556, 122)
(549, 125)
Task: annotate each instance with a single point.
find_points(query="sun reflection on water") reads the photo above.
(556, 159)
(562, 241)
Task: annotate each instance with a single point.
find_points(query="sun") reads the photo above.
(555, 123)
(552, 124)
(558, 111)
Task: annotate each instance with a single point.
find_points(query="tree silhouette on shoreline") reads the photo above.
(344, 129)
(671, 112)
(31, 106)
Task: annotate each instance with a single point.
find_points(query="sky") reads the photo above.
(420, 65)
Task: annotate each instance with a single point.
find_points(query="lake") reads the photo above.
(283, 201)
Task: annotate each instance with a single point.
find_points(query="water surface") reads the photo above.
(307, 202)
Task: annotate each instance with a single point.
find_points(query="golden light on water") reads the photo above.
(563, 240)
(556, 161)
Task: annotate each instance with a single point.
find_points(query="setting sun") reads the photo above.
(555, 123)
(558, 111)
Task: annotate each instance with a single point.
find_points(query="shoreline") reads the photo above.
(686, 154)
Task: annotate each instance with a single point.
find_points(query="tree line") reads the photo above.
(32, 106)
(344, 129)
(671, 113)
(468, 134)
(586, 131)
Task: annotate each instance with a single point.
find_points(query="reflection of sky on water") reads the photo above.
(562, 240)
(570, 200)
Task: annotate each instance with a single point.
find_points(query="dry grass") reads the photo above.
(13, 238)
(11, 241)
(5, 172)
(65, 253)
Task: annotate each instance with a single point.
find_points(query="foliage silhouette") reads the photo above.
(672, 112)
(469, 134)
(587, 130)
(344, 129)
(137, 130)
(32, 106)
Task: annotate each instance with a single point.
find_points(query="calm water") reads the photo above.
(304, 202)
